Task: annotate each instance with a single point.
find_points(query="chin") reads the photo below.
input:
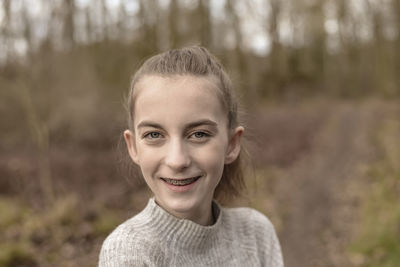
(182, 206)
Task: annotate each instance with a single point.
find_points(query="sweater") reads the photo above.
(239, 237)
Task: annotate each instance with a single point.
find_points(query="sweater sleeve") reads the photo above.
(269, 248)
(275, 255)
(117, 251)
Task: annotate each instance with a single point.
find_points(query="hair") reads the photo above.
(199, 62)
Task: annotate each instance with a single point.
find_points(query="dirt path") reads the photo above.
(318, 195)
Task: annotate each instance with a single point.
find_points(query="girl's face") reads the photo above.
(181, 142)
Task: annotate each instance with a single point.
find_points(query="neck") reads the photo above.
(202, 216)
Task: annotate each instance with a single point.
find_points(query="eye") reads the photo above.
(199, 135)
(152, 135)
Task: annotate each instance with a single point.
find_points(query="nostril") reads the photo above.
(178, 162)
(177, 158)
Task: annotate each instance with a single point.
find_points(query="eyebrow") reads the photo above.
(201, 123)
(149, 124)
(188, 126)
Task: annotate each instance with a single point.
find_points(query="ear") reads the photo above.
(131, 145)
(234, 145)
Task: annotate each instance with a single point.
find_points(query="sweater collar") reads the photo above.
(186, 233)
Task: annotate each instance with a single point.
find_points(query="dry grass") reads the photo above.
(378, 242)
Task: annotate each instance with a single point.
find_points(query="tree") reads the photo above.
(203, 11)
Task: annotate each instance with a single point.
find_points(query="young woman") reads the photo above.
(185, 137)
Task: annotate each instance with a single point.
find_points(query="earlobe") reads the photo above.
(234, 145)
(131, 145)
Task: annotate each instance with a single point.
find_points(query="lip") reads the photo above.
(181, 188)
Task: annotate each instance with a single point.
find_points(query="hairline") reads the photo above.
(215, 81)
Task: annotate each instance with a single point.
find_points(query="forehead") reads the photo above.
(149, 82)
(177, 95)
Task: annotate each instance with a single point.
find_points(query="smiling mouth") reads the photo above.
(180, 182)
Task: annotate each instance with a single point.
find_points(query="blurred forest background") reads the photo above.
(320, 81)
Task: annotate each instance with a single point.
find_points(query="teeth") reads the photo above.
(181, 182)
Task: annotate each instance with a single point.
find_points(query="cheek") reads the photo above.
(148, 159)
(212, 159)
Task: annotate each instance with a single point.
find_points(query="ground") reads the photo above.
(315, 200)
(310, 177)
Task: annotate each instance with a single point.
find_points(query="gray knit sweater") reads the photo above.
(239, 237)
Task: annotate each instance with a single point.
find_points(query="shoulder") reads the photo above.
(256, 232)
(125, 245)
(125, 232)
(248, 217)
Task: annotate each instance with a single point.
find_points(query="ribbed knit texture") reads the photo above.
(240, 237)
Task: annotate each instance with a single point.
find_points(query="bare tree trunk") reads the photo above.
(275, 63)
(49, 41)
(203, 7)
(27, 33)
(381, 60)
(40, 135)
(122, 19)
(148, 31)
(396, 7)
(69, 25)
(174, 35)
(239, 58)
(90, 37)
(317, 21)
(351, 77)
(105, 27)
(5, 31)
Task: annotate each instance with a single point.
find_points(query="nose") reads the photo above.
(177, 156)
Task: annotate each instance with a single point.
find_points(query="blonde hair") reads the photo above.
(197, 61)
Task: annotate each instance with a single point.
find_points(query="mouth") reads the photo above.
(180, 182)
